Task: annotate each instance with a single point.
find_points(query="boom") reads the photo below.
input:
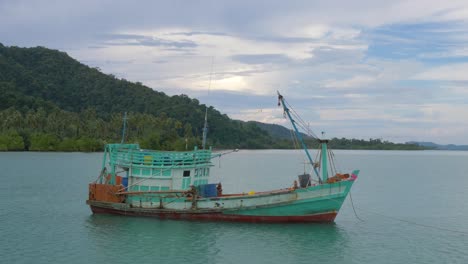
(298, 134)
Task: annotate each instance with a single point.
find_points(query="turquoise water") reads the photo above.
(409, 202)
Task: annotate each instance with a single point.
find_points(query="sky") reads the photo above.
(395, 70)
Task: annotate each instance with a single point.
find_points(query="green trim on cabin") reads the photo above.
(130, 155)
(167, 173)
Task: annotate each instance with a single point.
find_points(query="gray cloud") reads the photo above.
(160, 61)
(327, 54)
(195, 33)
(142, 40)
(397, 41)
(261, 58)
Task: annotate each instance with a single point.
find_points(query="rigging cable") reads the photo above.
(294, 112)
(296, 147)
(299, 120)
(334, 160)
(294, 139)
(332, 166)
(317, 156)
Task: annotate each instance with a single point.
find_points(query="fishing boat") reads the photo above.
(175, 185)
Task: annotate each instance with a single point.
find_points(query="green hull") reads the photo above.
(307, 206)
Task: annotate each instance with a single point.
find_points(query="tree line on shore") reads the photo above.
(59, 130)
(52, 102)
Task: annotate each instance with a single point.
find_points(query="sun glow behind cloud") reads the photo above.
(355, 69)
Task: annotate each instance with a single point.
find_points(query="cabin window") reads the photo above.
(186, 173)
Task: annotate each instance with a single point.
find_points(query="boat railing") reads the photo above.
(159, 159)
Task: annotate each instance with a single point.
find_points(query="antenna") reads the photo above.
(124, 127)
(205, 129)
(205, 126)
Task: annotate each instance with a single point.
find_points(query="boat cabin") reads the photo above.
(140, 170)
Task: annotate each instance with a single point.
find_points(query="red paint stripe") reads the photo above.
(325, 217)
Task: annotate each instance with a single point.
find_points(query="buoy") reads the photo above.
(251, 192)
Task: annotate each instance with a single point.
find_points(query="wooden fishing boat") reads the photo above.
(175, 185)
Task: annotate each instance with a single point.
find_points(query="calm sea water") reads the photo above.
(410, 202)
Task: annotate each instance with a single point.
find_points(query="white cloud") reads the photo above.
(191, 71)
(328, 54)
(314, 31)
(450, 72)
(265, 115)
(356, 81)
(453, 53)
(458, 12)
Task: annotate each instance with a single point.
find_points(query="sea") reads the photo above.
(405, 207)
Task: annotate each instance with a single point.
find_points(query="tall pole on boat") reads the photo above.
(298, 134)
(124, 127)
(205, 129)
(324, 143)
(205, 126)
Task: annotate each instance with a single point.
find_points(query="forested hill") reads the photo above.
(51, 102)
(43, 82)
(276, 131)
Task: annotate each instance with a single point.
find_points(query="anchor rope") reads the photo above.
(354, 210)
(415, 223)
(401, 219)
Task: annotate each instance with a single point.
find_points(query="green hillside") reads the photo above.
(43, 82)
(51, 102)
(276, 131)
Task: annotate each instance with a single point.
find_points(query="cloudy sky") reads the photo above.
(396, 70)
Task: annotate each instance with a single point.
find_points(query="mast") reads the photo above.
(124, 127)
(205, 128)
(324, 143)
(298, 134)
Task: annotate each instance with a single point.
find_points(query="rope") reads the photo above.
(103, 171)
(296, 147)
(332, 165)
(398, 219)
(318, 153)
(334, 160)
(299, 121)
(354, 210)
(403, 220)
(416, 223)
(294, 139)
(295, 113)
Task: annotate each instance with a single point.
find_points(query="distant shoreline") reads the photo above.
(217, 150)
